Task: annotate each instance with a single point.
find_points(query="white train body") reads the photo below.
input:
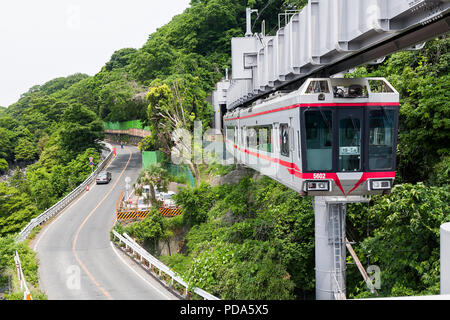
(331, 137)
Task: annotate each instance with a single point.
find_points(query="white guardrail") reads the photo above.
(21, 278)
(63, 203)
(150, 263)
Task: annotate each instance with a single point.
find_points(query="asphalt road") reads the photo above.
(77, 260)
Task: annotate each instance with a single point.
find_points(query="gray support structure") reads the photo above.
(327, 37)
(330, 254)
(445, 258)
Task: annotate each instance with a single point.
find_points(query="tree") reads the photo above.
(149, 230)
(121, 58)
(16, 210)
(81, 129)
(174, 105)
(6, 145)
(148, 143)
(3, 166)
(404, 242)
(77, 170)
(154, 176)
(25, 150)
(41, 188)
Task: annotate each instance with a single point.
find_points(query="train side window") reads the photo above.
(284, 139)
(230, 134)
(319, 140)
(265, 138)
(252, 138)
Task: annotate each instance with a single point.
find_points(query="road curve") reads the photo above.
(76, 258)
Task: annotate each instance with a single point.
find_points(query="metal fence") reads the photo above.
(159, 268)
(63, 203)
(180, 171)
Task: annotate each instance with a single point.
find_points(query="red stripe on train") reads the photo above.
(371, 175)
(293, 169)
(306, 105)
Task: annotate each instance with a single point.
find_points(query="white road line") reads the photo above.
(148, 282)
(41, 234)
(65, 210)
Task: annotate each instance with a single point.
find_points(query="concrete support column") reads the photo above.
(330, 250)
(445, 258)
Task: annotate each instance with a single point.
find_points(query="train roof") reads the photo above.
(326, 90)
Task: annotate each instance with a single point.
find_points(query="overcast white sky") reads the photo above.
(44, 39)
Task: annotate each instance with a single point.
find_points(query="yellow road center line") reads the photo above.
(106, 293)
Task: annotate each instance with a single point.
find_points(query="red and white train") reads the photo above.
(331, 137)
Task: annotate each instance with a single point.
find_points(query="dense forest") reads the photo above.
(257, 233)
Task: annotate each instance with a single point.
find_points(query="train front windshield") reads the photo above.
(381, 139)
(349, 139)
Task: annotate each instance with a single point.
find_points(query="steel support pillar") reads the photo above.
(330, 254)
(445, 258)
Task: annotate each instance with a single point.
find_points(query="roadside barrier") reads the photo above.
(126, 212)
(159, 269)
(129, 215)
(63, 203)
(170, 211)
(21, 277)
(141, 214)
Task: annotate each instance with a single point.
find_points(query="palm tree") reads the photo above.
(156, 177)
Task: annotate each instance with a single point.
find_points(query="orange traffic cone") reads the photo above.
(87, 187)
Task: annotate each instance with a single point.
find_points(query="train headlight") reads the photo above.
(380, 184)
(317, 185)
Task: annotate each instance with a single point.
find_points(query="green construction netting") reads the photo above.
(181, 171)
(133, 124)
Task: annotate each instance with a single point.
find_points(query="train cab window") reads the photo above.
(318, 86)
(379, 86)
(351, 91)
(319, 140)
(381, 139)
(284, 139)
(349, 143)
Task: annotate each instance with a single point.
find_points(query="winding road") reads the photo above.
(77, 260)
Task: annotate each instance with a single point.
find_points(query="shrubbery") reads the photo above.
(403, 240)
(259, 234)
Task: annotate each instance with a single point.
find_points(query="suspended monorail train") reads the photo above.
(331, 137)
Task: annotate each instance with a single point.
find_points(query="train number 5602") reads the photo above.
(319, 176)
